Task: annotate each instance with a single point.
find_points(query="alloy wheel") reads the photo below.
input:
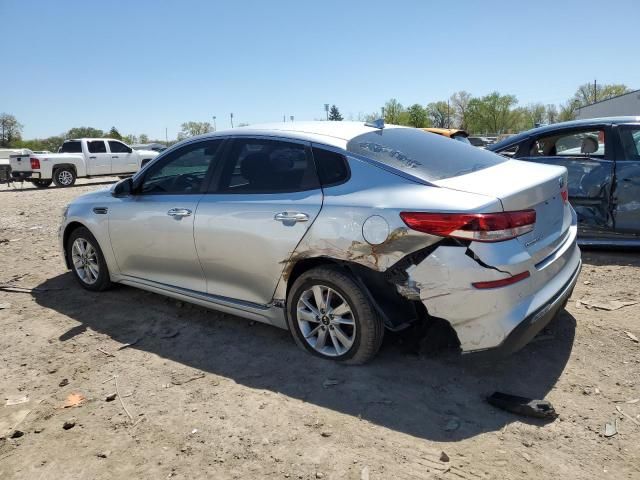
(326, 321)
(65, 177)
(85, 261)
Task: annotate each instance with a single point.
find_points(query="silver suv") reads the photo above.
(337, 231)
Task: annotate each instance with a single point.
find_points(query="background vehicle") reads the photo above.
(156, 147)
(336, 231)
(454, 133)
(602, 156)
(5, 162)
(85, 157)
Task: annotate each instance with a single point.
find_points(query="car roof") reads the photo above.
(327, 132)
(585, 122)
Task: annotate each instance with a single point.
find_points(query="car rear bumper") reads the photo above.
(25, 175)
(534, 323)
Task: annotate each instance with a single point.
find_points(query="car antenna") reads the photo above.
(379, 124)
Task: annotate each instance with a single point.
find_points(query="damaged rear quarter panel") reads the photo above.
(337, 231)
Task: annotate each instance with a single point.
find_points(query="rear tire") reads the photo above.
(87, 261)
(347, 328)
(64, 176)
(41, 183)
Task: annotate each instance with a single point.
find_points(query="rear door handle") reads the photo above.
(291, 217)
(92, 157)
(179, 212)
(115, 157)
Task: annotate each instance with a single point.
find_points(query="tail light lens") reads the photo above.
(479, 227)
(501, 283)
(35, 164)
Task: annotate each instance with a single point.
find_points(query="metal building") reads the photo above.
(622, 105)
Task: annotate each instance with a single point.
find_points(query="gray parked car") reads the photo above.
(338, 231)
(602, 156)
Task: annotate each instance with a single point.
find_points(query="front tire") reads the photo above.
(330, 316)
(87, 261)
(64, 177)
(41, 183)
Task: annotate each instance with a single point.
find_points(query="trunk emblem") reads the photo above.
(531, 242)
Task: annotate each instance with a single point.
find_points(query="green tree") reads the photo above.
(393, 112)
(143, 138)
(191, 129)
(460, 104)
(590, 93)
(440, 114)
(417, 116)
(551, 113)
(334, 114)
(568, 110)
(84, 132)
(492, 113)
(51, 144)
(114, 133)
(10, 130)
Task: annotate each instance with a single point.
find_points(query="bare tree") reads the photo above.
(10, 130)
(460, 104)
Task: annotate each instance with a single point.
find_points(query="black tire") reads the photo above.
(369, 327)
(102, 281)
(41, 183)
(64, 176)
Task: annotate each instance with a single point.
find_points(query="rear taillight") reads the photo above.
(503, 282)
(479, 227)
(35, 164)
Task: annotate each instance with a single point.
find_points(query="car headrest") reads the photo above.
(254, 166)
(589, 145)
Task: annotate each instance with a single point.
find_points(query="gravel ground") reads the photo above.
(208, 395)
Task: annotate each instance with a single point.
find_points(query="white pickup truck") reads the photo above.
(84, 157)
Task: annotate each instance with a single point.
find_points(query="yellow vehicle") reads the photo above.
(454, 133)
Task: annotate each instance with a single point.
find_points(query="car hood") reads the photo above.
(102, 193)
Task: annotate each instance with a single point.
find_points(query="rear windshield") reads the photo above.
(424, 155)
(72, 147)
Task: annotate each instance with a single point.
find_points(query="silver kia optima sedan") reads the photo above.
(338, 231)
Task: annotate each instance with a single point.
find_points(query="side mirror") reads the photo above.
(124, 188)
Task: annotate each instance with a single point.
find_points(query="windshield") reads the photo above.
(423, 155)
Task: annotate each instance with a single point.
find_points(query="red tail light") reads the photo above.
(501, 283)
(35, 164)
(479, 227)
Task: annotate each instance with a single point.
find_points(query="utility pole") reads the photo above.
(448, 116)
(291, 118)
(166, 136)
(382, 113)
(231, 116)
(326, 109)
(214, 123)
(595, 90)
(284, 119)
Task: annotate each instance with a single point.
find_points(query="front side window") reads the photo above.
(422, 155)
(630, 138)
(118, 147)
(183, 171)
(96, 146)
(267, 166)
(570, 144)
(73, 146)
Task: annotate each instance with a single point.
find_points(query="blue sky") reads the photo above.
(145, 65)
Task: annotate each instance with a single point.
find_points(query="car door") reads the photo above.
(587, 154)
(152, 230)
(99, 159)
(123, 160)
(626, 194)
(264, 199)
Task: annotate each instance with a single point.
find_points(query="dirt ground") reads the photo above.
(214, 396)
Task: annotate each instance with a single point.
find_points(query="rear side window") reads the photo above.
(97, 146)
(570, 144)
(73, 146)
(118, 147)
(267, 166)
(420, 154)
(333, 168)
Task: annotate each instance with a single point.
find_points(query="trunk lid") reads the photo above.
(521, 186)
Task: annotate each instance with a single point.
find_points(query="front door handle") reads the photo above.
(115, 157)
(291, 217)
(92, 157)
(179, 212)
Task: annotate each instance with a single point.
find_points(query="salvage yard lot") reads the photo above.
(205, 394)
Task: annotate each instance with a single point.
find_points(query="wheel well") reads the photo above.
(397, 311)
(66, 165)
(65, 238)
(144, 162)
